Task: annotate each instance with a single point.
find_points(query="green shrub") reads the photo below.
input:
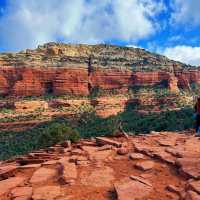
(45, 135)
(165, 121)
(87, 124)
(6, 111)
(74, 135)
(91, 125)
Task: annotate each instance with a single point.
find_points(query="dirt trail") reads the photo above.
(158, 166)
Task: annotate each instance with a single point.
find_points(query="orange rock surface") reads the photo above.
(77, 69)
(94, 170)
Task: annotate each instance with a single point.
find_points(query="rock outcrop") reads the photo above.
(78, 69)
(161, 165)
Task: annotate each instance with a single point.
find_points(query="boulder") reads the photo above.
(136, 156)
(122, 151)
(145, 165)
(8, 184)
(22, 192)
(128, 189)
(105, 141)
(42, 175)
(68, 170)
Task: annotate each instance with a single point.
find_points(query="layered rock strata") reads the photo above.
(79, 69)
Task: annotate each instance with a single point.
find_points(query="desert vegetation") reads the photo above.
(47, 134)
(87, 124)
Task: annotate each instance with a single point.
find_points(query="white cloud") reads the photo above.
(25, 24)
(185, 54)
(186, 11)
(175, 38)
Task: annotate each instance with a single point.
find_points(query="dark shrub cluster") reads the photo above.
(45, 135)
(87, 125)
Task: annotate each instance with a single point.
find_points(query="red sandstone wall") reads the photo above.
(28, 86)
(110, 78)
(149, 78)
(3, 85)
(74, 81)
(26, 81)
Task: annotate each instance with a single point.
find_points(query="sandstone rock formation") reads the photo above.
(168, 168)
(78, 69)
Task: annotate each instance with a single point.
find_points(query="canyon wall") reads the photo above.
(78, 69)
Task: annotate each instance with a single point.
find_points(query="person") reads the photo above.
(197, 111)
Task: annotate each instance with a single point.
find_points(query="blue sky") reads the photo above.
(169, 27)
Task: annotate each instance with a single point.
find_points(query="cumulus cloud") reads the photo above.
(25, 24)
(186, 54)
(186, 11)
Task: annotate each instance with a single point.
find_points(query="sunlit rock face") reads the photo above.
(78, 69)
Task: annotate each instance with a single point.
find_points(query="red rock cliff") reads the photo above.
(76, 69)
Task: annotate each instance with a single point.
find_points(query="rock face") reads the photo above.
(80, 69)
(169, 161)
(129, 189)
(10, 183)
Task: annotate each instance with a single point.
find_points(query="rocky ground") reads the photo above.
(158, 166)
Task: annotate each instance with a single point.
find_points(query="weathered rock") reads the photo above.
(92, 174)
(191, 195)
(77, 152)
(105, 147)
(190, 167)
(142, 180)
(173, 188)
(68, 170)
(173, 84)
(7, 171)
(175, 152)
(29, 85)
(128, 189)
(34, 166)
(73, 80)
(81, 158)
(50, 162)
(122, 151)
(105, 141)
(43, 174)
(195, 186)
(167, 141)
(4, 85)
(145, 165)
(102, 177)
(46, 193)
(83, 162)
(23, 192)
(62, 69)
(164, 156)
(136, 156)
(8, 184)
(101, 155)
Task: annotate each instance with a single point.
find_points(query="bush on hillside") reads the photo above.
(88, 124)
(45, 135)
(165, 121)
(91, 125)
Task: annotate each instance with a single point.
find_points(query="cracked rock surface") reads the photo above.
(158, 166)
